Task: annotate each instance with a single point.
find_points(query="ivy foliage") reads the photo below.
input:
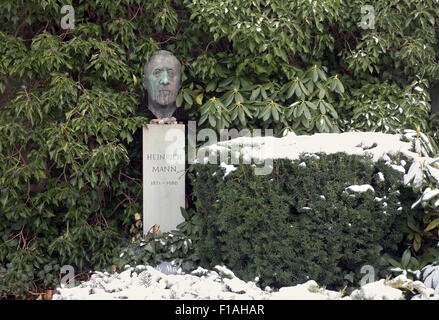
(177, 246)
(385, 107)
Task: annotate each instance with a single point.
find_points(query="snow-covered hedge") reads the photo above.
(308, 189)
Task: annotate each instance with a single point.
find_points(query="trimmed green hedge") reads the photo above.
(299, 222)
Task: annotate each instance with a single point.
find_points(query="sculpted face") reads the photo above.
(162, 80)
(163, 84)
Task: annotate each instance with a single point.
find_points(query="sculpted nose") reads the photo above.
(164, 78)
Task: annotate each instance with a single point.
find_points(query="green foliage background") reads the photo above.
(72, 103)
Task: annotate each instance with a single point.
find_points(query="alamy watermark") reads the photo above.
(68, 21)
(218, 149)
(69, 279)
(368, 20)
(369, 275)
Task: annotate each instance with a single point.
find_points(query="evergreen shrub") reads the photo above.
(300, 222)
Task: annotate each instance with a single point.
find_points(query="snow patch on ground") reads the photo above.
(377, 291)
(147, 283)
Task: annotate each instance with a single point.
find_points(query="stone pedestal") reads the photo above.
(163, 176)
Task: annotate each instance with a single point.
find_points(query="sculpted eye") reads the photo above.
(157, 72)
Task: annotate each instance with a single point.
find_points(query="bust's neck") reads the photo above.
(161, 111)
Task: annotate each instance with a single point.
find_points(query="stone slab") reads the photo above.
(163, 176)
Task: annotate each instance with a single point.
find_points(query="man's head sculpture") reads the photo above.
(161, 78)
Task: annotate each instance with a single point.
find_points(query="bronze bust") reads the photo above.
(162, 80)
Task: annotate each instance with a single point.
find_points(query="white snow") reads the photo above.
(398, 168)
(145, 282)
(377, 291)
(150, 283)
(429, 194)
(292, 146)
(307, 291)
(431, 277)
(360, 188)
(229, 168)
(224, 272)
(377, 145)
